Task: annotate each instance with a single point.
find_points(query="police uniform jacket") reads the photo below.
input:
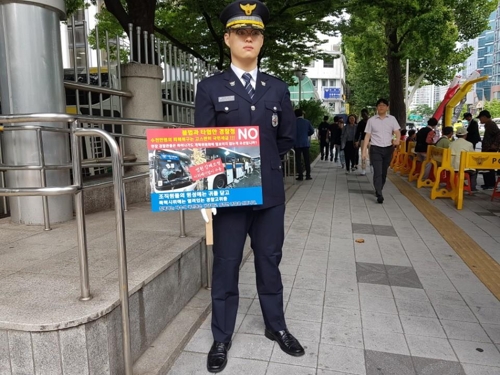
(221, 100)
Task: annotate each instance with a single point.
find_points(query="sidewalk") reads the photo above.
(403, 302)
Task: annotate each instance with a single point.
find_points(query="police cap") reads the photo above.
(245, 14)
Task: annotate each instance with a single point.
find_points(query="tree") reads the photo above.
(193, 27)
(423, 110)
(140, 13)
(494, 107)
(425, 32)
(367, 72)
(313, 110)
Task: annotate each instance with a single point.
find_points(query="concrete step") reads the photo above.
(45, 329)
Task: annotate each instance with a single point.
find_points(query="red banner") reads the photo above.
(206, 169)
(180, 138)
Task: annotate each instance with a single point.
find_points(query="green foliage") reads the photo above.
(73, 5)
(423, 110)
(367, 69)
(494, 107)
(314, 111)
(387, 32)
(107, 23)
(314, 150)
(290, 37)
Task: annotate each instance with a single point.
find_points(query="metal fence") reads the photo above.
(96, 90)
(78, 129)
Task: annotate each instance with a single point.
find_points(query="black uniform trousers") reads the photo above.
(266, 230)
(302, 152)
(380, 158)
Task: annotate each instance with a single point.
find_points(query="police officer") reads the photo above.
(242, 95)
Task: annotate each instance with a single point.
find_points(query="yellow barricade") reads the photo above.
(407, 161)
(428, 181)
(398, 157)
(394, 158)
(412, 155)
(474, 160)
(441, 160)
(401, 157)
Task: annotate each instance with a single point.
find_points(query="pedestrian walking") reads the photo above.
(324, 130)
(348, 144)
(302, 145)
(360, 136)
(383, 134)
(243, 95)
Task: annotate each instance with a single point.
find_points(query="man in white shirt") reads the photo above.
(456, 148)
(383, 133)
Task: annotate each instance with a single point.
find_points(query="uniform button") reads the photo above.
(226, 109)
(275, 108)
(252, 108)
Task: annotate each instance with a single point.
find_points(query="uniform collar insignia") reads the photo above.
(263, 83)
(232, 83)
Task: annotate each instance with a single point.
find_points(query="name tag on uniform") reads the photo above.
(223, 99)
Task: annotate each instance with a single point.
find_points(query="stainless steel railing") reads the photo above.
(76, 131)
(288, 164)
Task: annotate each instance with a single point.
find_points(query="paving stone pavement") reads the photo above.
(402, 302)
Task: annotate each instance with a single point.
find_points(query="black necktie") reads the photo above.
(248, 86)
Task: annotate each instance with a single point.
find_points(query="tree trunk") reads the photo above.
(140, 13)
(396, 99)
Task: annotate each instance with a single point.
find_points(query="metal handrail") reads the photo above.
(97, 89)
(178, 104)
(77, 191)
(119, 198)
(39, 192)
(10, 124)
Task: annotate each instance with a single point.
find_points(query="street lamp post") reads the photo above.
(299, 73)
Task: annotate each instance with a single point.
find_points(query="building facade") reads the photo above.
(429, 95)
(327, 78)
(485, 51)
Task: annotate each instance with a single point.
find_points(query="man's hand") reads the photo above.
(204, 213)
(356, 144)
(364, 153)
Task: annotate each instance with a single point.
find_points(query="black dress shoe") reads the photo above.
(380, 199)
(217, 356)
(309, 178)
(299, 178)
(289, 344)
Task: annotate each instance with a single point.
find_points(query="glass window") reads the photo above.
(328, 63)
(314, 82)
(324, 82)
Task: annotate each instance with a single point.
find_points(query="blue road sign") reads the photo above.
(331, 93)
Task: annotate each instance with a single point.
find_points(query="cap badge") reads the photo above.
(248, 8)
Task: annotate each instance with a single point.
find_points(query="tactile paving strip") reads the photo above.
(479, 261)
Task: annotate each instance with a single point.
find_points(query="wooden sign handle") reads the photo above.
(209, 234)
